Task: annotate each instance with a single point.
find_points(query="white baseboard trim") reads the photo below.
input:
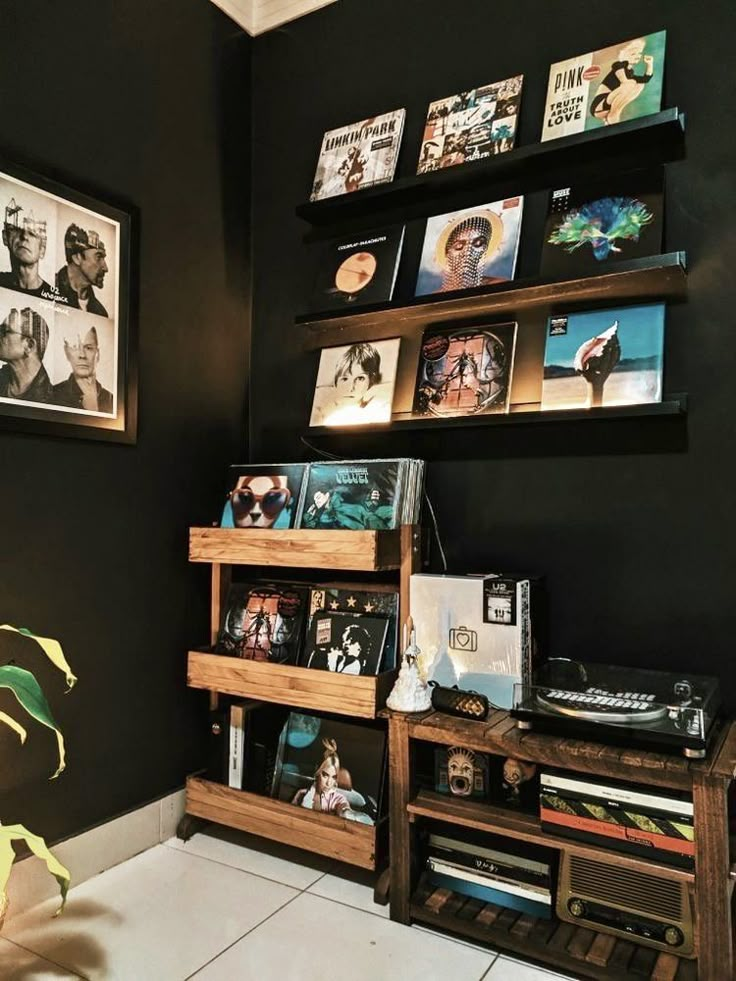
(95, 851)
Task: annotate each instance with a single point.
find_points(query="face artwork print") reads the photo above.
(263, 495)
(470, 249)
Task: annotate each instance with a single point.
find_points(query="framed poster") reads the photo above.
(67, 365)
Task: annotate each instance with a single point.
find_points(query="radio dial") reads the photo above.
(673, 936)
(576, 907)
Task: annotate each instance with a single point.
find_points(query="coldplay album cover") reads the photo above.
(359, 155)
(602, 88)
(464, 372)
(596, 224)
(384, 603)
(604, 357)
(357, 494)
(472, 248)
(264, 621)
(358, 270)
(264, 495)
(355, 384)
(471, 125)
(345, 642)
(330, 766)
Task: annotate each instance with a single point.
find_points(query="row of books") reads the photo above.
(592, 358)
(599, 88)
(589, 227)
(330, 627)
(334, 767)
(358, 495)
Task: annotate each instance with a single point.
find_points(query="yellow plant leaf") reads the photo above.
(16, 832)
(16, 726)
(51, 648)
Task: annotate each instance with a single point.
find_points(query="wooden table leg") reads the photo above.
(712, 865)
(399, 846)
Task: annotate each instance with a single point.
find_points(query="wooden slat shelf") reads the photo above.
(499, 735)
(325, 834)
(525, 827)
(323, 691)
(369, 551)
(654, 138)
(576, 950)
(657, 276)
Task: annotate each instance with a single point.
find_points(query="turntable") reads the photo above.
(609, 703)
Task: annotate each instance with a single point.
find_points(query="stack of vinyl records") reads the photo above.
(507, 879)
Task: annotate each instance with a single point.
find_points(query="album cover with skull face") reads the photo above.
(264, 621)
(465, 372)
(264, 495)
(470, 249)
(357, 271)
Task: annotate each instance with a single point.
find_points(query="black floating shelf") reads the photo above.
(640, 142)
(675, 405)
(653, 277)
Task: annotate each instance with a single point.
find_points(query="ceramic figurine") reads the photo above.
(411, 692)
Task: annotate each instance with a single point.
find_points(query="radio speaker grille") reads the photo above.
(661, 898)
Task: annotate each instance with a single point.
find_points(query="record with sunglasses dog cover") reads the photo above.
(264, 621)
(263, 495)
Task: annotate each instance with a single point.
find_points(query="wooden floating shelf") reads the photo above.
(369, 551)
(361, 696)
(675, 406)
(326, 834)
(647, 140)
(652, 277)
(577, 950)
(526, 827)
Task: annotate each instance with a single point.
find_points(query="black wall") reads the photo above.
(631, 523)
(148, 103)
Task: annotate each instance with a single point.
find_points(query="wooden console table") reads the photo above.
(577, 950)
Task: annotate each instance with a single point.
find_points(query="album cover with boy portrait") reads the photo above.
(263, 495)
(355, 384)
(331, 766)
(359, 270)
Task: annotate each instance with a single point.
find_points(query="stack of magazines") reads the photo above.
(362, 495)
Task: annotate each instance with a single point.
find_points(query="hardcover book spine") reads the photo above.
(237, 746)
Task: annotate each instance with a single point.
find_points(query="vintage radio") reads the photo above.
(607, 896)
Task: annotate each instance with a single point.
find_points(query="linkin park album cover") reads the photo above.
(465, 372)
(359, 270)
(604, 357)
(358, 156)
(264, 622)
(598, 223)
(472, 248)
(471, 125)
(605, 87)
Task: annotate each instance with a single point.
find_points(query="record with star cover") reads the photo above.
(470, 125)
(346, 643)
(358, 156)
(470, 249)
(264, 621)
(358, 270)
(604, 357)
(605, 87)
(361, 600)
(465, 372)
(593, 225)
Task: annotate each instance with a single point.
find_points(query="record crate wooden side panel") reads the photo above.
(326, 834)
(361, 696)
(369, 551)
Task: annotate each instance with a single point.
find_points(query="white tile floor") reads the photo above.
(228, 907)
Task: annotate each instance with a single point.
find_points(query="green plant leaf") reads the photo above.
(16, 832)
(28, 692)
(50, 647)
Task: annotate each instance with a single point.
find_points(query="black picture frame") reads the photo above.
(67, 297)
